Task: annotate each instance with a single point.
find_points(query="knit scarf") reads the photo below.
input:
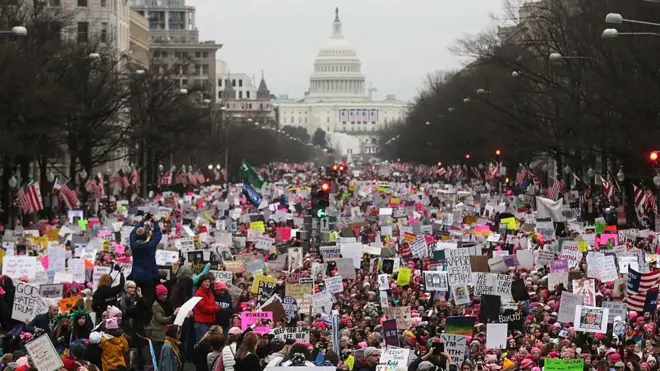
(174, 343)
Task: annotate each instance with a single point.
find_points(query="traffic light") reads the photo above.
(653, 156)
(320, 200)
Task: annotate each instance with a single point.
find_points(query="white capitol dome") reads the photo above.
(337, 71)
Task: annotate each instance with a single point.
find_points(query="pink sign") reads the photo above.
(262, 319)
(604, 237)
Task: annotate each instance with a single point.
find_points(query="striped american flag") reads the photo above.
(555, 189)
(165, 179)
(181, 177)
(608, 189)
(651, 201)
(639, 197)
(135, 178)
(441, 171)
(639, 285)
(67, 195)
(29, 197)
(520, 175)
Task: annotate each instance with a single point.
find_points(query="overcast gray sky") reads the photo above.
(398, 41)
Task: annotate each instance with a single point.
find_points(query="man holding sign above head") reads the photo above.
(144, 239)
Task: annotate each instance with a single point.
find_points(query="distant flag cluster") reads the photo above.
(67, 195)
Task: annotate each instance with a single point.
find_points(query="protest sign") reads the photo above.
(392, 357)
(290, 308)
(265, 291)
(51, 291)
(617, 308)
(27, 303)
(555, 364)
(224, 276)
(435, 281)
(19, 266)
(456, 346)
(263, 321)
(390, 333)
(459, 269)
(334, 284)
(43, 355)
(401, 315)
(567, 305)
(299, 334)
(591, 319)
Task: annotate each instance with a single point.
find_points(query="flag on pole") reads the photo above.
(608, 189)
(67, 194)
(651, 201)
(29, 197)
(251, 175)
(251, 194)
(639, 197)
(639, 285)
(555, 189)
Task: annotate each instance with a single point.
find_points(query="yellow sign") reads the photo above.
(511, 223)
(53, 234)
(260, 277)
(259, 226)
(403, 277)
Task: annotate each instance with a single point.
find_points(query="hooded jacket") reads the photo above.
(206, 309)
(144, 253)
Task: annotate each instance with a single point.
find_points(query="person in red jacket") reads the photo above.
(205, 310)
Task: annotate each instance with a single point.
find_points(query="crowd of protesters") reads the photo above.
(126, 320)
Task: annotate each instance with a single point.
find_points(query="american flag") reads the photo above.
(639, 285)
(555, 189)
(608, 189)
(216, 174)
(66, 194)
(200, 177)
(95, 185)
(165, 179)
(29, 196)
(493, 171)
(459, 172)
(192, 178)
(651, 201)
(119, 178)
(181, 177)
(449, 173)
(135, 178)
(441, 171)
(521, 175)
(639, 197)
(475, 172)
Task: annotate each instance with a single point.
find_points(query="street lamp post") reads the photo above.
(16, 30)
(611, 33)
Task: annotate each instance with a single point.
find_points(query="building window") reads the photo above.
(54, 3)
(83, 32)
(240, 94)
(164, 54)
(219, 95)
(240, 83)
(327, 120)
(104, 32)
(184, 83)
(198, 69)
(82, 2)
(198, 54)
(219, 83)
(177, 54)
(104, 3)
(250, 106)
(247, 94)
(205, 54)
(176, 20)
(233, 83)
(205, 69)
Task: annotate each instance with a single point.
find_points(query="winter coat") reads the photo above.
(144, 254)
(206, 309)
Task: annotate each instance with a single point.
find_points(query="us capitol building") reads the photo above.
(339, 101)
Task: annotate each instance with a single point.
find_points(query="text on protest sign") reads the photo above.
(459, 269)
(456, 346)
(295, 333)
(27, 303)
(51, 291)
(43, 354)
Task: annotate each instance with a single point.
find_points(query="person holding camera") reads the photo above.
(436, 356)
(143, 248)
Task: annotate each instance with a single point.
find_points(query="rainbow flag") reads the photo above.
(460, 325)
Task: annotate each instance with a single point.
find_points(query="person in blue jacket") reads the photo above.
(143, 249)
